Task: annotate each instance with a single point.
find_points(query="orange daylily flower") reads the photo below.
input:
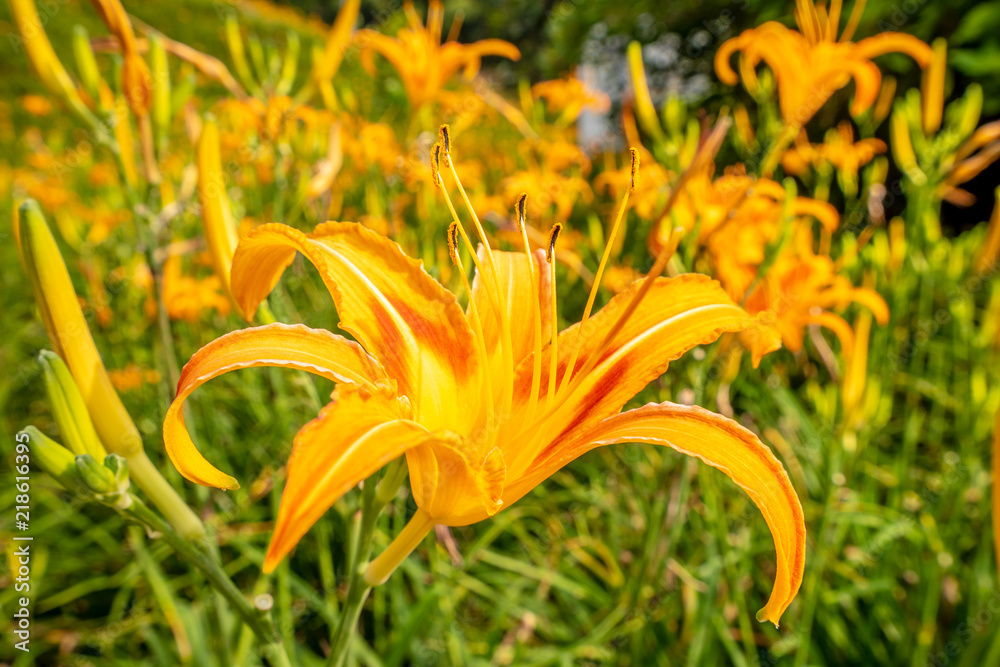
(736, 216)
(812, 63)
(570, 96)
(839, 150)
(186, 298)
(800, 289)
(480, 407)
(424, 63)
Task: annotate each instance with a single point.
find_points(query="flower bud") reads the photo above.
(238, 53)
(95, 476)
(69, 334)
(644, 108)
(289, 64)
(220, 230)
(161, 88)
(68, 407)
(86, 63)
(43, 58)
(53, 459)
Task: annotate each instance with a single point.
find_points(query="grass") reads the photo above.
(628, 556)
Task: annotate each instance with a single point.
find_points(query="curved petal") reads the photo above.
(399, 313)
(290, 346)
(357, 433)
(721, 443)
(676, 315)
(723, 68)
(895, 42)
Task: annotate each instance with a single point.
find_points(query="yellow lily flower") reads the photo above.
(424, 63)
(812, 63)
(480, 407)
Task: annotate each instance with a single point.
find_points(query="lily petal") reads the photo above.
(399, 313)
(676, 315)
(360, 431)
(290, 346)
(721, 443)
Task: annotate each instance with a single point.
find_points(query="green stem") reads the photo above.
(158, 490)
(211, 569)
(358, 588)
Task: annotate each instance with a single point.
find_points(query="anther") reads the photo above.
(520, 205)
(445, 132)
(453, 242)
(553, 237)
(436, 165)
(634, 152)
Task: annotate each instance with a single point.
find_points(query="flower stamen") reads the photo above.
(477, 326)
(536, 372)
(505, 338)
(550, 255)
(608, 247)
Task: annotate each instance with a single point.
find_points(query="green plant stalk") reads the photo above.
(167, 500)
(374, 500)
(358, 588)
(258, 622)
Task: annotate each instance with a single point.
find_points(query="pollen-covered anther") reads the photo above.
(445, 133)
(520, 206)
(634, 152)
(453, 243)
(550, 252)
(436, 165)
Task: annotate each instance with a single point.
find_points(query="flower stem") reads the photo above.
(402, 546)
(374, 500)
(358, 589)
(158, 490)
(259, 622)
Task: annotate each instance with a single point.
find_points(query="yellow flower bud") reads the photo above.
(137, 83)
(644, 108)
(972, 109)
(220, 230)
(236, 51)
(902, 146)
(43, 58)
(126, 144)
(68, 407)
(69, 333)
(289, 65)
(71, 339)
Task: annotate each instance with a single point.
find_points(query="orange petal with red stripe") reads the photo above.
(721, 443)
(399, 313)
